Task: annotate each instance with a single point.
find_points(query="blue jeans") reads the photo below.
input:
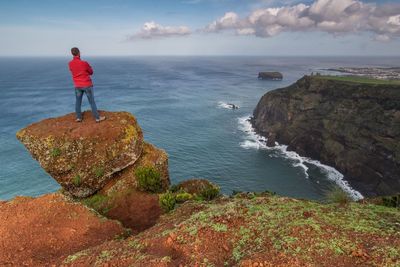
(90, 96)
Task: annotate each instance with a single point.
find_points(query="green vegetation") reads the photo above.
(391, 201)
(98, 171)
(183, 197)
(210, 192)
(167, 201)
(359, 79)
(293, 227)
(149, 179)
(55, 152)
(74, 257)
(135, 244)
(280, 229)
(104, 256)
(77, 180)
(337, 195)
(219, 227)
(178, 195)
(98, 202)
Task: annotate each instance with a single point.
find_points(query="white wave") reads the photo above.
(226, 105)
(255, 141)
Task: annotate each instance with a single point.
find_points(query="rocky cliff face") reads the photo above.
(352, 126)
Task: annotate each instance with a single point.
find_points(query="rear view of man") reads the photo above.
(81, 71)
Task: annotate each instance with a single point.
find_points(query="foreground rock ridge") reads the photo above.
(133, 217)
(244, 230)
(354, 127)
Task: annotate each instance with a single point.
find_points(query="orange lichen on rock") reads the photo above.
(82, 157)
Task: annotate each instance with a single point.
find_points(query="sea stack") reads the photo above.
(273, 76)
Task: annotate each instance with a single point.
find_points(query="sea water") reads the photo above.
(181, 103)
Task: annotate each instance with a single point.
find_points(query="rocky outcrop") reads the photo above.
(99, 163)
(354, 127)
(272, 75)
(82, 157)
(41, 231)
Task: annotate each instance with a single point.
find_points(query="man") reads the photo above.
(81, 71)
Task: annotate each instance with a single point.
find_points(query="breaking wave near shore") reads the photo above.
(254, 141)
(226, 105)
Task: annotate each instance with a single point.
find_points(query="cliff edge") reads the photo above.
(353, 126)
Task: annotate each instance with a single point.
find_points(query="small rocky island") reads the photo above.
(116, 207)
(271, 75)
(351, 125)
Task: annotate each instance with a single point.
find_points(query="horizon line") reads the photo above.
(205, 55)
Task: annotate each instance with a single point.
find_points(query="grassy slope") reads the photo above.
(358, 79)
(271, 230)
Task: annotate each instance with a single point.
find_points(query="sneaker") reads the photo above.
(102, 118)
(78, 120)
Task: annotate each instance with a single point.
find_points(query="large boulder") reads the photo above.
(82, 157)
(42, 231)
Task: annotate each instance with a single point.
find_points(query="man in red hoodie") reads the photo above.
(81, 71)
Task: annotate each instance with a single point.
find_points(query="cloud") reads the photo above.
(152, 30)
(332, 16)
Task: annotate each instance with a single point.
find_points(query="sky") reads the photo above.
(200, 27)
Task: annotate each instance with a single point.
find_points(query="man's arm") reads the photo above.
(89, 69)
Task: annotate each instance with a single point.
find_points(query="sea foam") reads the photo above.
(255, 141)
(222, 104)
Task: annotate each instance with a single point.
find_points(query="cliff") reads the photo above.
(353, 126)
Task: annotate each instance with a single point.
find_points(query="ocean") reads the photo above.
(181, 105)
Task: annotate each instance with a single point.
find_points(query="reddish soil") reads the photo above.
(136, 210)
(42, 231)
(178, 240)
(88, 128)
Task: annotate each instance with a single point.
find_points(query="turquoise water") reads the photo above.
(180, 105)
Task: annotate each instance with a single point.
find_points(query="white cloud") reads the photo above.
(331, 16)
(229, 20)
(151, 30)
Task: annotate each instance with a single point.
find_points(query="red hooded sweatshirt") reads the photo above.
(81, 71)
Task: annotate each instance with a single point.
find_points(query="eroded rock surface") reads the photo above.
(122, 199)
(354, 127)
(82, 157)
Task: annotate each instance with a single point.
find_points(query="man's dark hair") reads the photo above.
(75, 51)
